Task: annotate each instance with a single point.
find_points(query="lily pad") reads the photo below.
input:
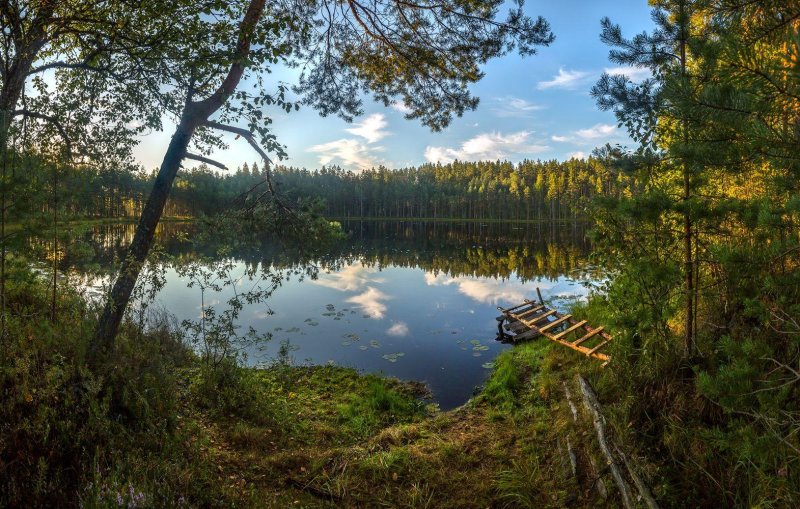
(488, 365)
(352, 337)
(293, 329)
(374, 343)
(347, 343)
(330, 307)
(363, 347)
(393, 357)
(480, 348)
(476, 354)
(475, 341)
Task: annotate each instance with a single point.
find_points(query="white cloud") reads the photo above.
(596, 131)
(370, 302)
(577, 155)
(347, 152)
(352, 153)
(589, 135)
(565, 79)
(351, 278)
(398, 329)
(487, 146)
(401, 107)
(510, 106)
(633, 73)
(371, 128)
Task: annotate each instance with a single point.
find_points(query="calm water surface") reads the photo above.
(412, 300)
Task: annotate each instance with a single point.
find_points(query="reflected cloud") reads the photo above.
(370, 303)
(398, 329)
(506, 292)
(350, 279)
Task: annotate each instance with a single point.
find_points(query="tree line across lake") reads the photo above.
(484, 190)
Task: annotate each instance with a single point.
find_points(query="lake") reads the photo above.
(416, 301)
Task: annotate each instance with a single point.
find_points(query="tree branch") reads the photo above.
(244, 133)
(206, 160)
(51, 120)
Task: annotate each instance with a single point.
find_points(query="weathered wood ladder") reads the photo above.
(531, 319)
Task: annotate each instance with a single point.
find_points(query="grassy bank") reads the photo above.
(154, 426)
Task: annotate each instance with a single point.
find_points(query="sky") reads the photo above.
(537, 107)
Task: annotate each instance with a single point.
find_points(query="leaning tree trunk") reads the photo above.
(120, 294)
(195, 114)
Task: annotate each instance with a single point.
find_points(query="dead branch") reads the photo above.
(593, 406)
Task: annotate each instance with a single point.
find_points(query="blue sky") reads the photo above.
(533, 107)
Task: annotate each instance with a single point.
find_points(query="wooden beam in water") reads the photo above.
(528, 328)
(528, 334)
(526, 303)
(532, 323)
(532, 310)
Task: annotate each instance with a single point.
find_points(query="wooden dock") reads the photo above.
(533, 319)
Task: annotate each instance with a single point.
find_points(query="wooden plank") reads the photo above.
(532, 310)
(526, 303)
(555, 323)
(598, 347)
(588, 336)
(516, 327)
(571, 329)
(601, 356)
(528, 334)
(519, 320)
(531, 323)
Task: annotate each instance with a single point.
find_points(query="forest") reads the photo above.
(484, 190)
(153, 322)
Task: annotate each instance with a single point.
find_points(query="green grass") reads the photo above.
(156, 428)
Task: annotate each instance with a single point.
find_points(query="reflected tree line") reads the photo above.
(527, 251)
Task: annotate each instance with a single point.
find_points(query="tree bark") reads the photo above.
(688, 259)
(194, 115)
(13, 84)
(120, 295)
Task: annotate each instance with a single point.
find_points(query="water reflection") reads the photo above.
(412, 300)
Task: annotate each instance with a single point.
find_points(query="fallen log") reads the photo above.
(644, 491)
(593, 406)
